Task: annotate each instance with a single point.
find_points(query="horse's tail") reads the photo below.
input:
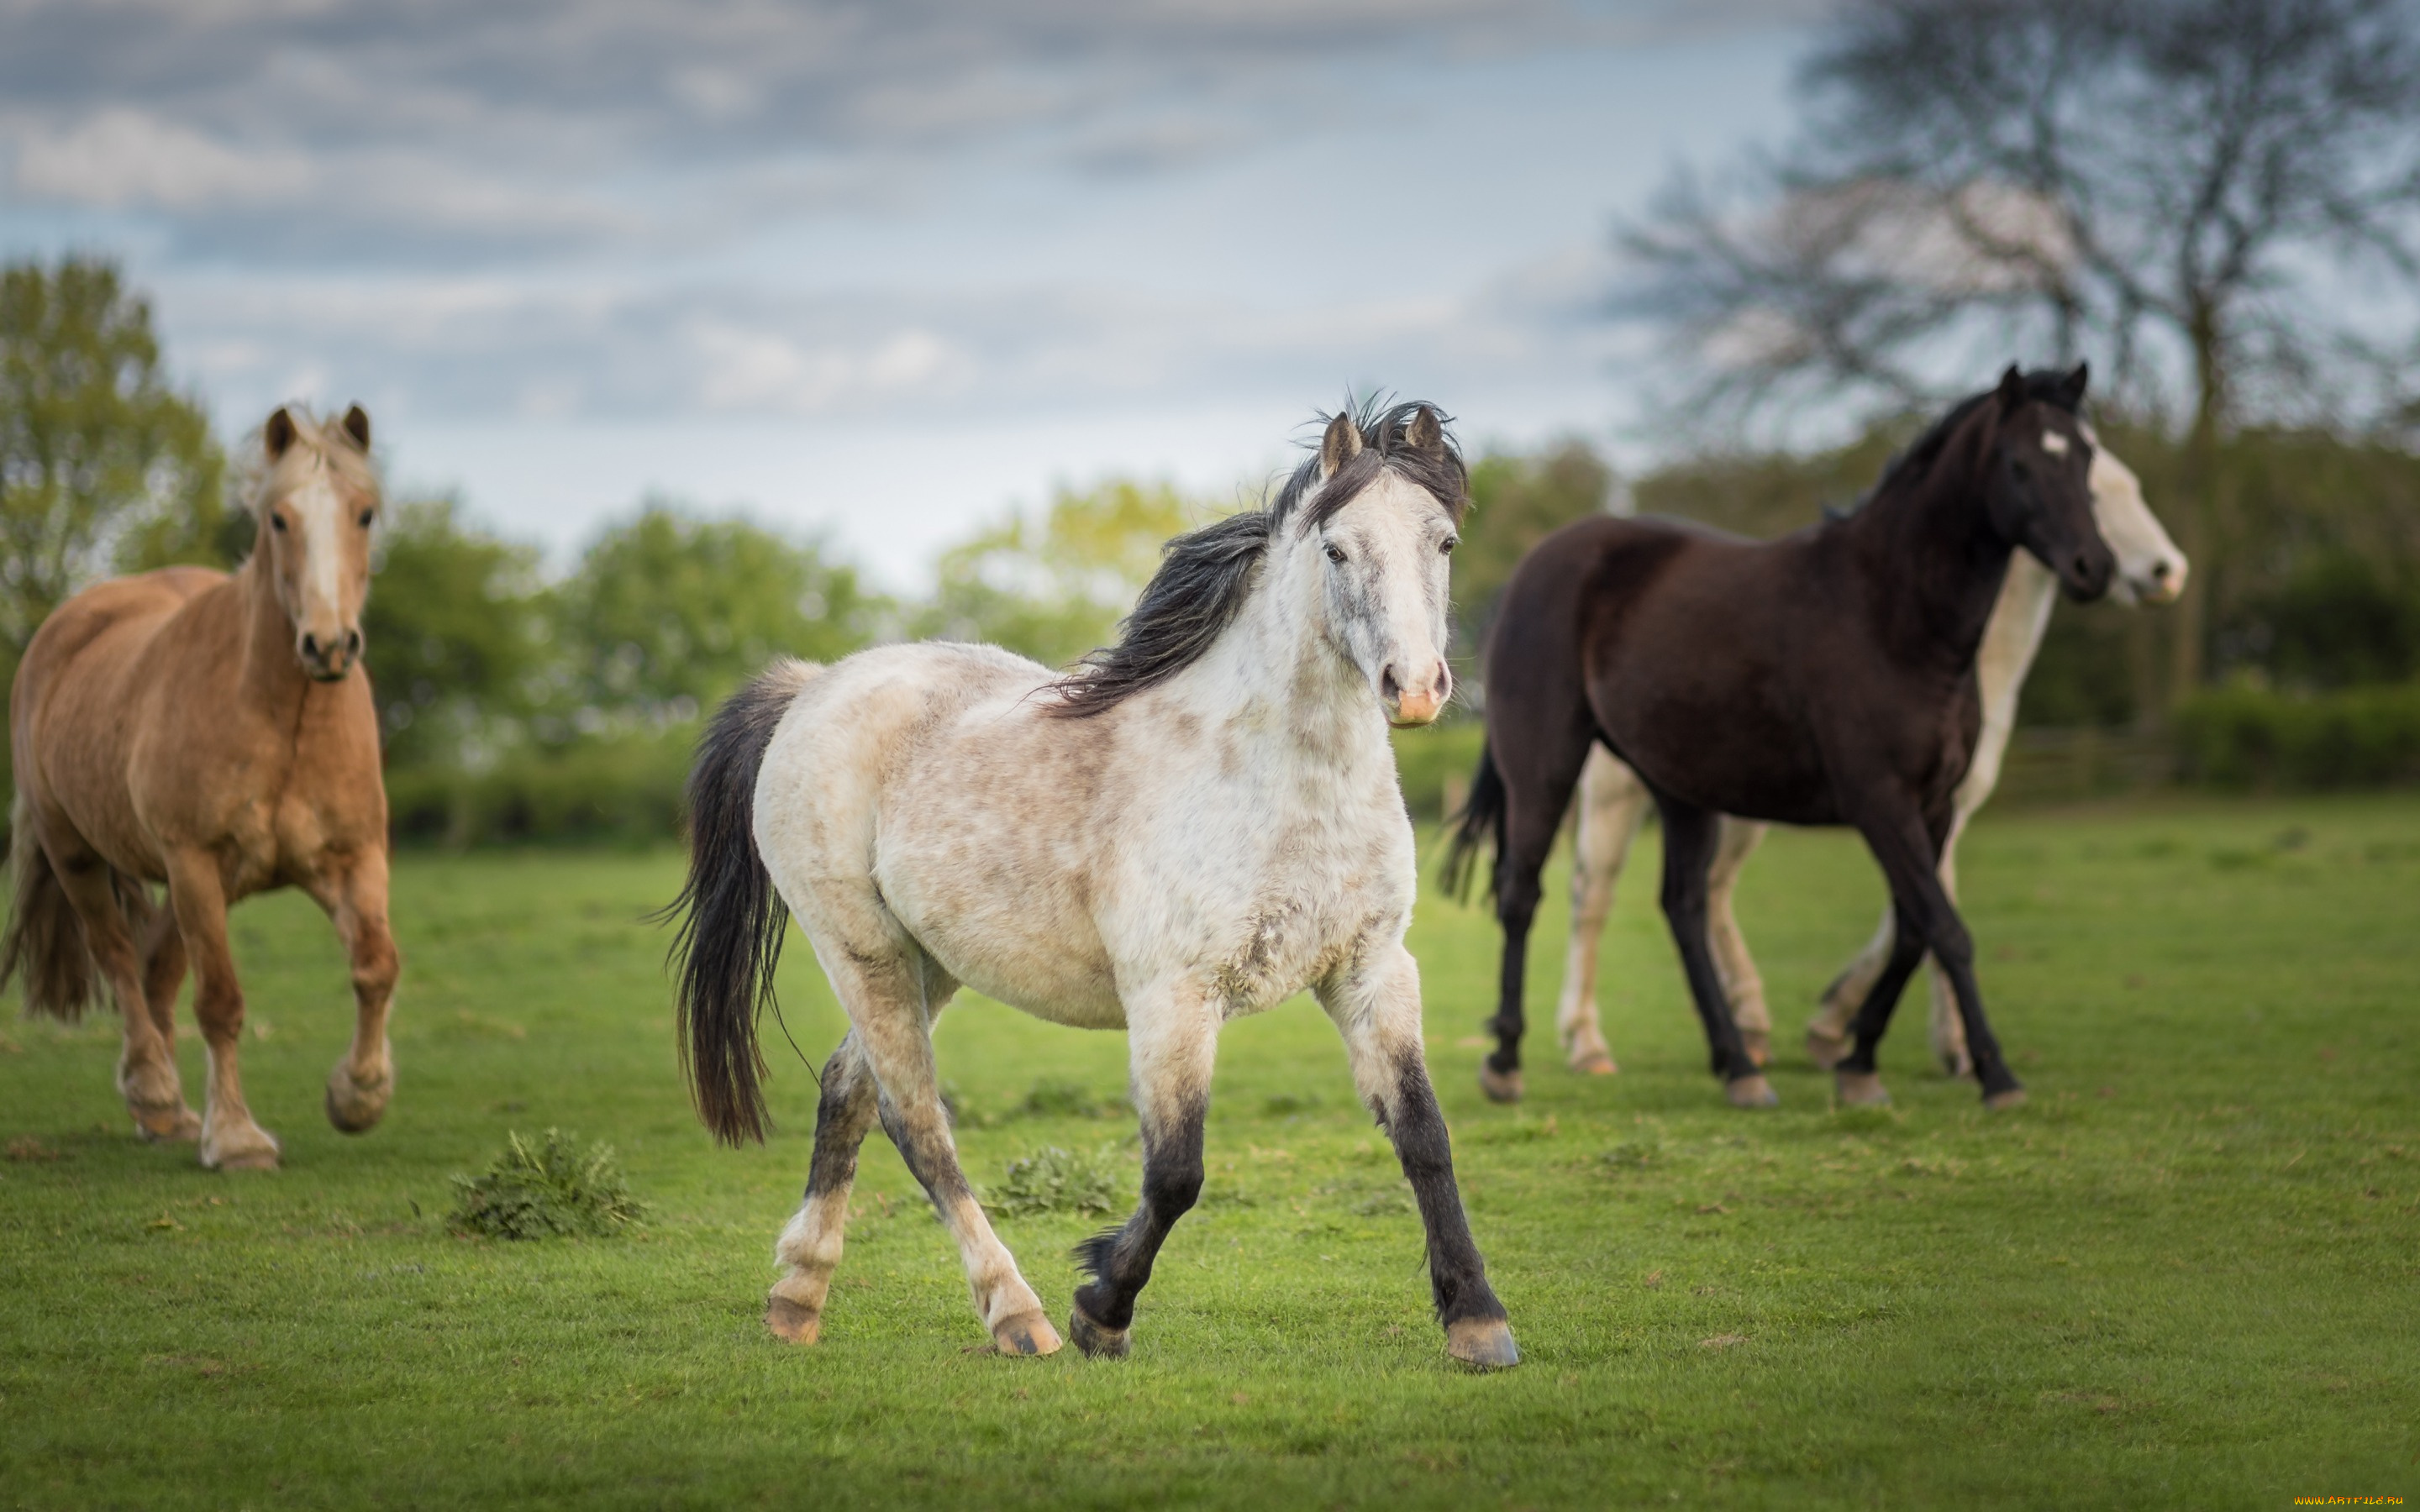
(45, 941)
(1481, 821)
(729, 935)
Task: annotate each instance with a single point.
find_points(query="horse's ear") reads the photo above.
(357, 425)
(2013, 388)
(2070, 388)
(1342, 444)
(276, 436)
(1424, 433)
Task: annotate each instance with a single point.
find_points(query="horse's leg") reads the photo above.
(1831, 1031)
(1910, 855)
(1377, 1009)
(230, 1139)
(1172, 1039)
(1535, 801)
(1690, 835)
(1612, 802)
(353, 892)
(1854, 1077)
(1743, 985)
(1948, 1029)
(811, 1245)
(885, 995)
(164, 973)
(147, 1061)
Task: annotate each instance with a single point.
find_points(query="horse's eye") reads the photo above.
(367, 517)
(277, 523)
(1336, 554)
(1445, 547)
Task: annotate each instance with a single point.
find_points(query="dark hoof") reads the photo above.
(1861, 1089)
(1482, 1343)
(789, 1321)
(1098, 1343)
(1500, 1086)
(1751, 1092)
(2001, 1101)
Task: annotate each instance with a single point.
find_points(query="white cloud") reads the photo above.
(117, 157)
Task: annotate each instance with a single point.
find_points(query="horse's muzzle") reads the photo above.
(329, 660)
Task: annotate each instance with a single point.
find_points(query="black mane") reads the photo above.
(1206, 576)
(2045, 385)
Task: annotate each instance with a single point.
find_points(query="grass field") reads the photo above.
(2187, 1275)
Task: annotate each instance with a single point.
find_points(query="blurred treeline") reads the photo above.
(517, 706)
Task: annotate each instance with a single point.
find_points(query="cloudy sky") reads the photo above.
(880, 269)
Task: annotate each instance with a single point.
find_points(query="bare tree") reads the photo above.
(2194, 192)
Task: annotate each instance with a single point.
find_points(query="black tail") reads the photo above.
(1482, 822)
(733, 920)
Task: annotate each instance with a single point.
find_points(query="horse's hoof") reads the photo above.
(1758, 1046)
(1594, 1063)
(1861, 1089)
(1500, 1086)
(1025, 1334)
(2001, 1101)
(164, 1126)
(1098, 1340)
(1482, 1343)
(1751, 1092)
(1825, 1048)
(793, 1322)
(251, 1148)
(353, 1107)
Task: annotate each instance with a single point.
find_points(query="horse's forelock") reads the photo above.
(318, 440)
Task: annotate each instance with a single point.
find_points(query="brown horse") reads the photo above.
(213, 733)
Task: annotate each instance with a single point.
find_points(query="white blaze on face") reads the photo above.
(318, 510)
(2055, 443)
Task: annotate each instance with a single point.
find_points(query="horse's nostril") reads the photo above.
(310, 644)
(2159, 572)
(1387, 686)
(353, 642)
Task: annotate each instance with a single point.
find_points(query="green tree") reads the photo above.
(669, 614)
(1056, 590)
(1517, 501)
(457, 637)
(102, 464)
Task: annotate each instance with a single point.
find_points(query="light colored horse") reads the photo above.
(1613, 803)
(213, 733)
(1203, 822)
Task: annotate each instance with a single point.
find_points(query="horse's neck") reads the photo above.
(1935, 566)
(1278, 686)
(271, 674)
(2019, 620)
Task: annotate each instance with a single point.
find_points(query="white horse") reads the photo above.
(1613, 803)
(1203, 822)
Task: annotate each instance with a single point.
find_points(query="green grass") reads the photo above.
(2187, 1275)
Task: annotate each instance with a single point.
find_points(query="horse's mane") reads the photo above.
(1911, 465)
(1206, 576)
(254, 474)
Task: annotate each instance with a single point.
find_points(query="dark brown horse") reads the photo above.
(1824, 678)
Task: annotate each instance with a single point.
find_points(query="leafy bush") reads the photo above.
(550, 1190)
(2245, 736)
(1051, 1180)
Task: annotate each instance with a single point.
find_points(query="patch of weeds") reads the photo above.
(2232, 858)
(1867, 1121)
(1054, 1097)
(1286, 1104)
(1052, 1180)
(1635, 1154)
(545, 1189)
(27, 1150)
(1520, 1130)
